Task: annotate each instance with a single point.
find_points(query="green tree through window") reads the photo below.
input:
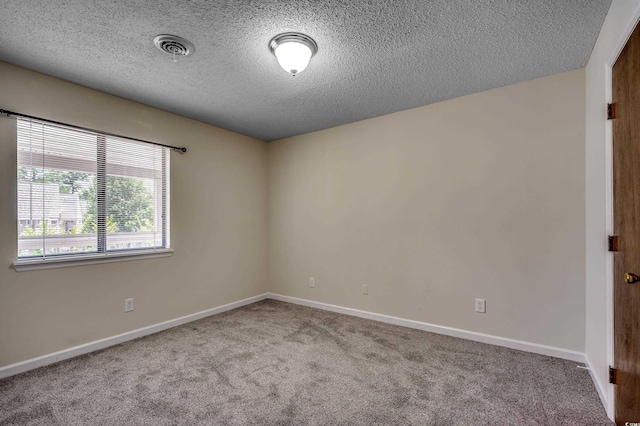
(129, 206)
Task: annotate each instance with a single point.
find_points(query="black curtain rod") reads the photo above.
(86, 129)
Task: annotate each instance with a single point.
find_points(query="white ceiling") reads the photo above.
(374, 57)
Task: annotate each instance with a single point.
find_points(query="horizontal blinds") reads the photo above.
(134, 189)
(56, 176)
(84, 192)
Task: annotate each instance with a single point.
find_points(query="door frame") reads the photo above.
(621, 43)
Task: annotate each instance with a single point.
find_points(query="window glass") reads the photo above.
(83, 192)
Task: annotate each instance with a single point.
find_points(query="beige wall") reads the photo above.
(477, 197)
(619, 21)
(218, 226)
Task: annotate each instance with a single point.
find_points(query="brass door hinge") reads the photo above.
(611, 111)
(613, 375)
(613, 243)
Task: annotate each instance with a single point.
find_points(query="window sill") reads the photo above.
(89, 259)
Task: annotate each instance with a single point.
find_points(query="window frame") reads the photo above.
(103, 254)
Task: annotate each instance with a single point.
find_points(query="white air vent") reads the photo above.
(173, 45)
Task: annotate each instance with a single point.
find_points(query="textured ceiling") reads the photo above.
(374, 58)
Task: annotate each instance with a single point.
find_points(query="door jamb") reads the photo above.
(622, 41)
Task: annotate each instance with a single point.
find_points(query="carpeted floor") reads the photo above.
(274, 363)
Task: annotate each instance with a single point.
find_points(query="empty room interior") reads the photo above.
(336, 212)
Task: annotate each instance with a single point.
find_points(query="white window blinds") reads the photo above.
(83, 192)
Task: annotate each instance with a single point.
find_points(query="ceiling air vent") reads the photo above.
(173, 45)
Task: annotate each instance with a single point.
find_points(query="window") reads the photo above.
(83, 193)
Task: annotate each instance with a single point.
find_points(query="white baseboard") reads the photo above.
(30, 364)
(41, 361)
(448, 331)
(602, 390)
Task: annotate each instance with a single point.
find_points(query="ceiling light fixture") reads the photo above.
(293, 51)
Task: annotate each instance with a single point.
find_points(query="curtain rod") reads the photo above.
(17, 114)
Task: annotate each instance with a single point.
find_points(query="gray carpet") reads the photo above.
(274, 363)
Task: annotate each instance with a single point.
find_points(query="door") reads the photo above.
(626, 217)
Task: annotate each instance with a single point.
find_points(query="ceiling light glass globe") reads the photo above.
(293, 57)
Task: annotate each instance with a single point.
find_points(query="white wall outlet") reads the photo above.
(481, 306)
(312, 282)
(365, 289)
(128, 305)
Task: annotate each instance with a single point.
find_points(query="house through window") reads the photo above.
(82, 192)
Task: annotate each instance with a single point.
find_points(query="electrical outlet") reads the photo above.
(365, 289)
(312, 282)
(481, 306)
(128, 305)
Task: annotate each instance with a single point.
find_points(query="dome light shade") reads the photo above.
(293, 51)
(293, 57)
